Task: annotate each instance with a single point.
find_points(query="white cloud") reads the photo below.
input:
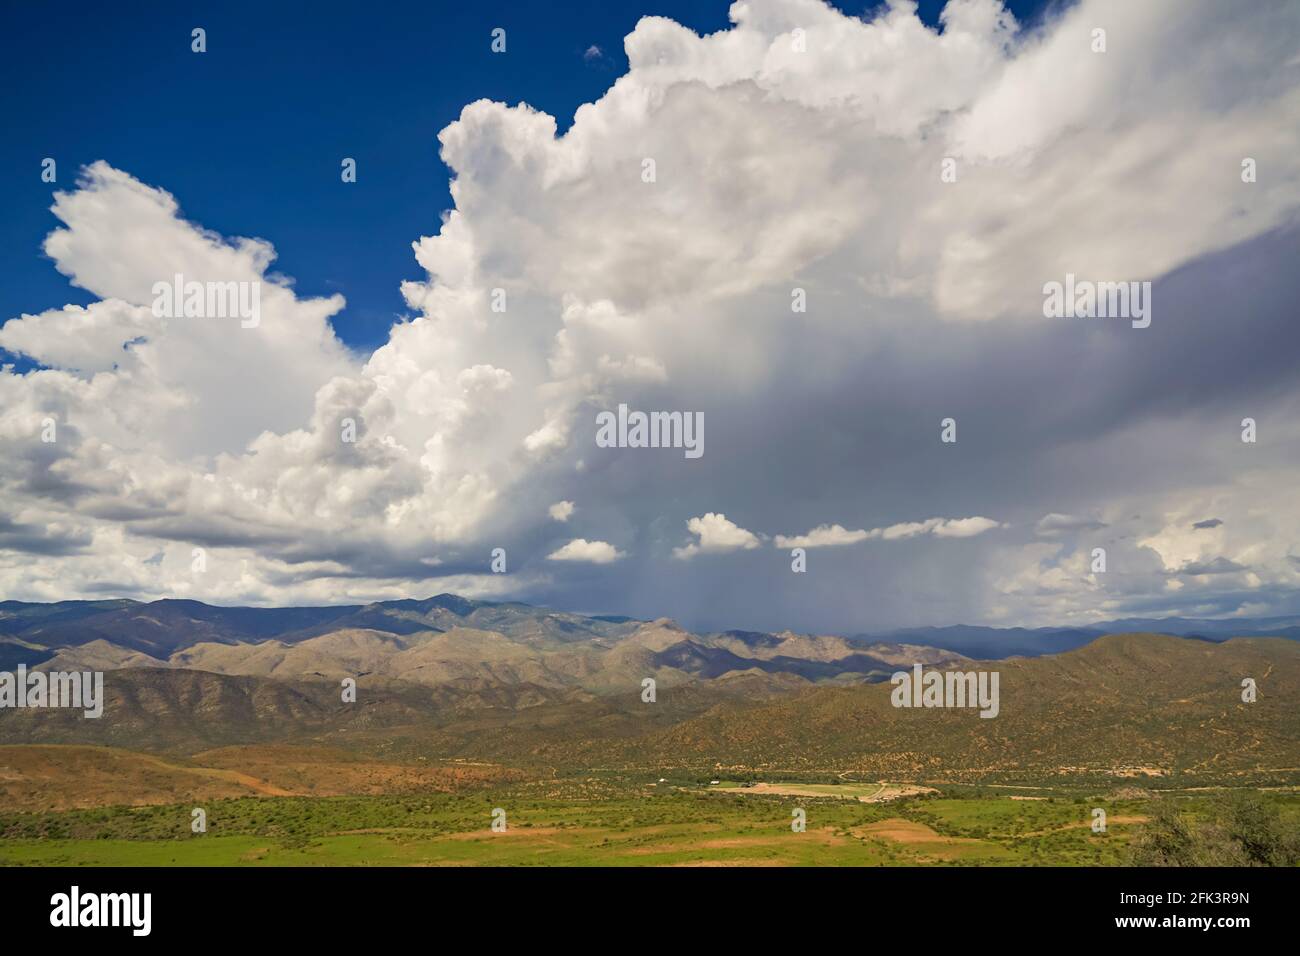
(716, 535)
(81, 340)
(964, 527)
(593, 552)
(826, 536)
(561, 510)
(823, 536)
(939, 527)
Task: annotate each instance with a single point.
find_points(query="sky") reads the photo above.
(248, 135)
(845, 242)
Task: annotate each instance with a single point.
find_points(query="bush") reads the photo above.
(1244, 829)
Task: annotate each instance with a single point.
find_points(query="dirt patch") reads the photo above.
(826, 836)
(883, 794)
(889, 792)
(899, 830)
(509, 831)
(1110, 821)
(788, 790)
(243, 779)
(732, 863)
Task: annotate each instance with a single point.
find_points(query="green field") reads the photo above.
(596, 822)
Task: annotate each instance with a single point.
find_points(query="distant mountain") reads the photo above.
(1212, 630)
(989, 643)
(1126, 707)
(998, 642)
(447, 638)
(17, 616)
(165, 626)
(158, 627)
(437, 641)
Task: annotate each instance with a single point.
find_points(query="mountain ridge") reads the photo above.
(1144, 707)
(160, 628)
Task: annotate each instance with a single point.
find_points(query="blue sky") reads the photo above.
(249, 136)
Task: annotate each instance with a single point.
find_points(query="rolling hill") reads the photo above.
(1140, 706)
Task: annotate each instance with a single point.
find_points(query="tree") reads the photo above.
(1256, 827)
(1166, 840)
(1244, 829)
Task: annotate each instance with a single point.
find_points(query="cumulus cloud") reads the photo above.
(834, 535)
(716, 534)
(580, 549)
(939, 527)
(964, 527)
(561, 510)
(776, 168)
(823, 536)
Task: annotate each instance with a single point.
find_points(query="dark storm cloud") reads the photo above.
(1218, 565)
(1046, 412)
(26, 538)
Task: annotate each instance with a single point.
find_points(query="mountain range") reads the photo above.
(450, 678)
(438, 641)
(184, 633)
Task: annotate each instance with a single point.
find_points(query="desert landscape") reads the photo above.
(470, 712)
